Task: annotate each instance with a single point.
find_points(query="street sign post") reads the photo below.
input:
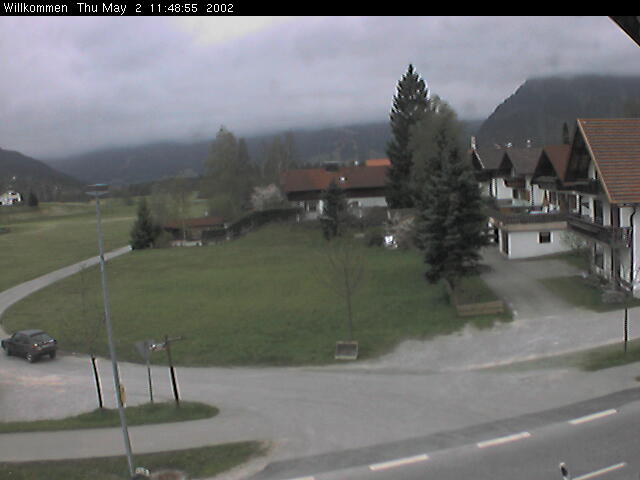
(144, 348)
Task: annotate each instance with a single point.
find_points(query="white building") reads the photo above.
(364, 187)
(521, 218)
(604, 171)
(10, 197)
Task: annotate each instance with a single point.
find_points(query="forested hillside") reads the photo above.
(538, 109)
(25, 174)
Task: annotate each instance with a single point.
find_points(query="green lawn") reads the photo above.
(574, 290)
(197, 462)
(105, 418)
(57, 235)
(472, 289)
(258, 300)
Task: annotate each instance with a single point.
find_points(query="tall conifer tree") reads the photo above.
(334, 210)
(451, 224)
(144, 231)
(409, 105)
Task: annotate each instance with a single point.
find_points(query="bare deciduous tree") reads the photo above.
(344, 272)
(90, 329)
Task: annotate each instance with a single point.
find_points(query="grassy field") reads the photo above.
(197, 462)
(56, 235)
(259, 300)
(574, 290)
(137, 415)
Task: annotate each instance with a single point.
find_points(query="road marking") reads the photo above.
(594, 416)
(304, 478)
(601, 471)
(502, 440)
(399, 462)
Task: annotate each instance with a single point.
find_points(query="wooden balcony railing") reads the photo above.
(614, 236)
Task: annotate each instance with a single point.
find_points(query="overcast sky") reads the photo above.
(72, 84)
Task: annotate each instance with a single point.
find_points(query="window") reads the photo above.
(598, 257)
(544, 237)
(597, 212)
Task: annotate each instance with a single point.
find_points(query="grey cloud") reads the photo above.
(74, 84)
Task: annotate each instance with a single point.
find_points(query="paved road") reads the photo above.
(422, 389)
(590, 437)
(602, 445)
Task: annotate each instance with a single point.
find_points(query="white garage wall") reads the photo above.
(526, 244)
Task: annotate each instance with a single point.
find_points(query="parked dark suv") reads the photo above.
(31, 344)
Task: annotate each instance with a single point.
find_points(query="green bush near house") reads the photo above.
(258, 300)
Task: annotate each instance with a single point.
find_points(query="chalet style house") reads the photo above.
(364, 186)
(522, 220)
(604, 171)
(589, 190)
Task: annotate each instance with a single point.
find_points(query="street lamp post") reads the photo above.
(97, 191)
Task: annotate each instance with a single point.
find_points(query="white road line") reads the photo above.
(601, 471)
(399, 462)
(304, 478)
(502, 440)
(594, 416)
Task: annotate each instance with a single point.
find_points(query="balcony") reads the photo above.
(618, 237)
(589, 187)
(506, 213)
(515, 182)
(547, 183)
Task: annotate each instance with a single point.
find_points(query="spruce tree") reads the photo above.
(451, 225)
(334, 210)
(144, 231)
(409, 105)
(32, 200)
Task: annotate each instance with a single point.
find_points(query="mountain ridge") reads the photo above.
(26, 174)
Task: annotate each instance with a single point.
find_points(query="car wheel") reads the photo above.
(30, 357)
(52, 355)
(7, 352)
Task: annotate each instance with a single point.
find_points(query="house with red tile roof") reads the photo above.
(191, 229)
(603, 169)
(592, 189)
(522, 221)
(364, 186)
(378, 162)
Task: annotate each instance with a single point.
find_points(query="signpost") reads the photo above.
(172, 371)
(144, 348)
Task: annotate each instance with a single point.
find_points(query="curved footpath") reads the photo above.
(421, 389)
(17, 293)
